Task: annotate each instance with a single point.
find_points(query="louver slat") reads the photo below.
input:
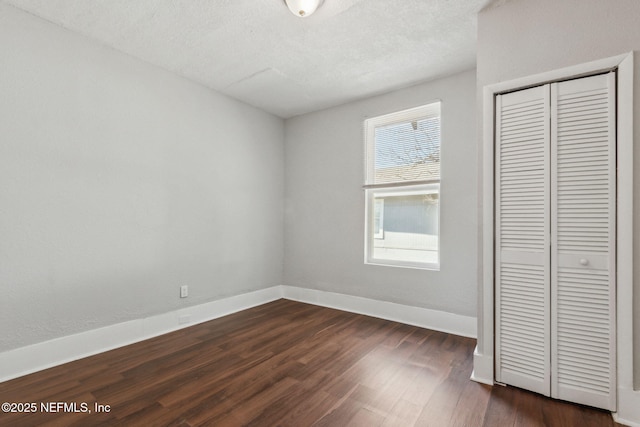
(522, 239)
(583, 218)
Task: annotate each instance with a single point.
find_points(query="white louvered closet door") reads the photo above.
(522, 239)
(555, 240)
(583, 240)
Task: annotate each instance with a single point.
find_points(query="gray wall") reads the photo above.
(525, 37)
(119, 182)
(324, 202)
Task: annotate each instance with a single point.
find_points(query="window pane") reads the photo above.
(408, 228)
(378, 218)
(408, 151)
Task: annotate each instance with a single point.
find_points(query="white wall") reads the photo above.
(526, 37)
(324, 202)
(119, 182)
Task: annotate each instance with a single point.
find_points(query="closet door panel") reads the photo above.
(522, 239)
(583, 204)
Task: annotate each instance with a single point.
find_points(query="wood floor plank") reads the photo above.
(288, 364)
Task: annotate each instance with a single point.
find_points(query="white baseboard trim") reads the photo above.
(482, 368)
(25, 360)
(465, 326)
(628, 408)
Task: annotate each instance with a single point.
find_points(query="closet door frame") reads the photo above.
(484, 353)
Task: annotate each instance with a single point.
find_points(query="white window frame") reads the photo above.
(373, 190)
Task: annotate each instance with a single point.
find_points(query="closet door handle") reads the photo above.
(584, 261)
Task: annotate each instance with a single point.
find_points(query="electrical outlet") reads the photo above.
(184, 291)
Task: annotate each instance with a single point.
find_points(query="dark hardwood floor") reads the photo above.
(286, 364)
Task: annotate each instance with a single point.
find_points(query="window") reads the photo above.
(402, 186)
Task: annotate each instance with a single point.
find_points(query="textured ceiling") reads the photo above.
(258, 52)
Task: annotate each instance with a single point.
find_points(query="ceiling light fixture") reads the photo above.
(302, 8)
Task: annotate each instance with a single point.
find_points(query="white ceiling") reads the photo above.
(260, 53)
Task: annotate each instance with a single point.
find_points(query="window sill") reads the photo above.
(416, 266)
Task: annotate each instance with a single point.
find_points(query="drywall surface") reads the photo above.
(526, 37)
(324, 202)
(119, 182)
